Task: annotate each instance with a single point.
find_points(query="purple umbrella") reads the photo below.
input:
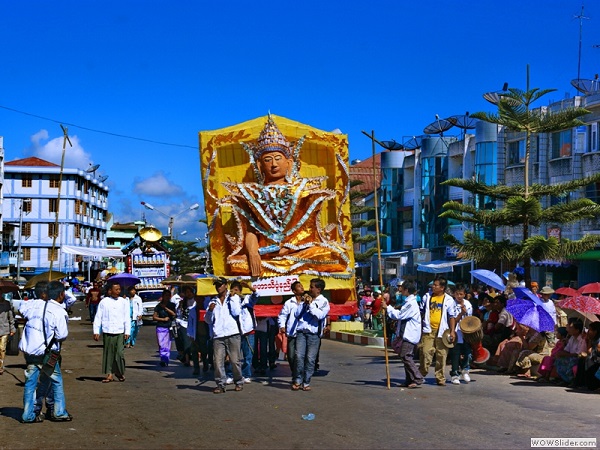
(528, 313)
(125, 279)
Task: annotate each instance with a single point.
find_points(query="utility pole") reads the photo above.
(23, 200)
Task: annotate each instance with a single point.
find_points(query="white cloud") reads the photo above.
(51, 150)
(157, 186)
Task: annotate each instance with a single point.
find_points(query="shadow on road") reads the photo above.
(13, 413)
(97, 379)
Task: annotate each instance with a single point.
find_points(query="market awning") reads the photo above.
(590, 255)
(440, 266)
(88, 251)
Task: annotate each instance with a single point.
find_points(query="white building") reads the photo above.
(30, 202)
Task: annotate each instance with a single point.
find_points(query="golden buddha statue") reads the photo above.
(278, 217)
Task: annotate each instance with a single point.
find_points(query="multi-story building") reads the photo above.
(31, 201)
(411, 198)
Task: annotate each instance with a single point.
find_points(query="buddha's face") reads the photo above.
(274, 167)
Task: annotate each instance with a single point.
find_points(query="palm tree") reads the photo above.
(522, 204)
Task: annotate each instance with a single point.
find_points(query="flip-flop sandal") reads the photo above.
(295, 387)
(306, 388)
(121, 378)
(108, 380)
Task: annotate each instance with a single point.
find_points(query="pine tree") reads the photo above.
(522, 205)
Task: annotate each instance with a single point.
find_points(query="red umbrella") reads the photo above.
(582, 303)
(569, 292)
(590, 288)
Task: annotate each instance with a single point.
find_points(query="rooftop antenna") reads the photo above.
(102, 178)
(580, 17)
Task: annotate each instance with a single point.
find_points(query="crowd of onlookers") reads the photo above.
(569, 355)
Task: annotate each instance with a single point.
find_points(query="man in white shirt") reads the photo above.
(311, 321)
(112, 318)
(288, 324)
(248, 326)
(409, 328)
(222, 316)
(46, 327)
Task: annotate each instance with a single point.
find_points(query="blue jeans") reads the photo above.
(247, 354)
(93, 309)
(459, 350)
(32, 376)
(307, 347)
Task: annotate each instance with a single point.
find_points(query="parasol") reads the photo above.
(490, 278)
(590, 288)
(581, 303)
(180, 280)
(530, 314)
(7, 286)
(125, 279)
(46, 276)
(568, 291)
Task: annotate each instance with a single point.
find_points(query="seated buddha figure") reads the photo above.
(278, 217)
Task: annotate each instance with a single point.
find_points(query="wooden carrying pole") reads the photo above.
(385, 349)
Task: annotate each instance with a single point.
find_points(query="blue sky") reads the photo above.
(164, 70)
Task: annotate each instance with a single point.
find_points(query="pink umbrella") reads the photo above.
(582, 303)
(590, 288)
(569, 292)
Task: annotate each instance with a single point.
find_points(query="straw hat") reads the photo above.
(547, 290)
(446, 339)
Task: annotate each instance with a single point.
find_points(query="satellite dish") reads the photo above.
(102, 178)
(585, 86)
(413, 144)
(495, 97)
(438, 127)
(92, 168)
(463, 121)
(392, 145)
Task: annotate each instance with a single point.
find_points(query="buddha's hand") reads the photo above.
(255, 264)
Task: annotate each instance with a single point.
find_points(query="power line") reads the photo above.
(97, 131)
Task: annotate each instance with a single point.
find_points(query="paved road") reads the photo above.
(169, 408)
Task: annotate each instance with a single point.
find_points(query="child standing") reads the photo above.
(461, 353)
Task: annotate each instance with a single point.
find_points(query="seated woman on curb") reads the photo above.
(566, 360)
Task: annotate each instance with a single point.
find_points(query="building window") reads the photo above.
(77, 230)
(26, 180)
(26, 205)
(54, 181)
(26, 252)
(52, 230)
(53, 205)
(26, 230)
(516, 152)
(562, 143)
(52, 254)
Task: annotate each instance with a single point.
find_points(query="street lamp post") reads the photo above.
(171, 218)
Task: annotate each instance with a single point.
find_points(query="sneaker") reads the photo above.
(455, 380)
(465, 376)
(229, 380)
(247, 380)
